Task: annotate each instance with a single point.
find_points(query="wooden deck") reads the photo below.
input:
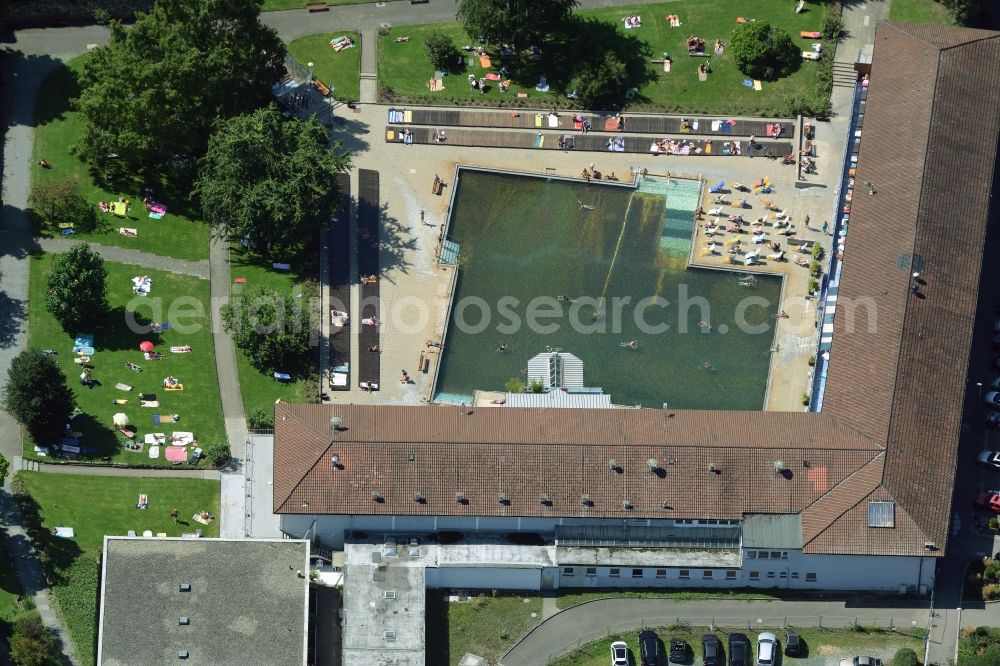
(714, 126)
(590, 142)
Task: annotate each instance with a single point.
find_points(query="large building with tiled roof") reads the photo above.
(855, 496)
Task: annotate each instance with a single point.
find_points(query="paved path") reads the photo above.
(97, 470)
(15, 242)
(225, 351)
(124, 255)
(592, 621)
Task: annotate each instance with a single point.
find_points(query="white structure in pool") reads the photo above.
(556, 370)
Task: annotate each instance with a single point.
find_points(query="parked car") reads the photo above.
(739, 650)
(710, 650)
(650, 648)
(988, 499)
(996, 326)
(990, 458)
(993, 421)
(861, 661)
(767, 648)
(619, 654)
(793, 645)
(678, 651)
(992, 399)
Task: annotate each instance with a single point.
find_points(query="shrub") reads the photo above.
(76, 289)
(811, 360)
(218, 453)
(994, 523)
(905, 657)
(536, 386)
(991, 592)
(30, 642)
(58, 202)
(818, 252)
(816, 269)
(833, 26)
(258, 419)
(514, 385)
(805, 399)
(763, 51)
(812, 286)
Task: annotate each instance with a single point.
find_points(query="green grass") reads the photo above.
(273, 5)
(820, 642)
(565, 600)
(94, 506)
(260, 390)
(10, 587)
(405, 68)
(486, 626)
(919, 11)
(179, 234)
(339, 68)
(198, 404)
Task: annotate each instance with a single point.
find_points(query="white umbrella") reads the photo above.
(120, 419)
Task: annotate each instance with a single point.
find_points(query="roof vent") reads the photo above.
(714, 469)
(613, 465)
(390, 594)
(586, 501)
(930, 545)
(502, 498)
(410, 457)
(377, 496)
(418, 497)
(335, 461)
(779, 466)
(460, 498)
(336, 423)
(671, 461)
(545, 499)
(390, 635)
(665, 504)
(805, 463)
(182, 654)
(627, 505)
(653, 464)
(185, 587)
(183, 621)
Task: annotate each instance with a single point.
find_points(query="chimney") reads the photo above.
(613, 465)
(545, 499)
(627, 505)
(336, 423)
(418, 497)
(460, 498)
(586, 501)
(502, 498)
(377, 496)
(714, 469)
(653, 464)
(335, 461)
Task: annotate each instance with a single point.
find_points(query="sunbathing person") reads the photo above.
(170, 382)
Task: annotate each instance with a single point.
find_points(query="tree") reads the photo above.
(602, 84)
(270, 179)
(31, 643)
(218, 454)
(76, 293)
(58, 202)
(905, 657)
(440, 49)
(514, 385)
(37, 395)
(273, 329)
(151, 95)
(4, 467)
(517, 22)
(763, 51)
(258, 419)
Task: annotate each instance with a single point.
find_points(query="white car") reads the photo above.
(619, 654)
(767, 649)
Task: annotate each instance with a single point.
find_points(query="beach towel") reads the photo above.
(666, 65)
(123, 387)
(810, 34)
(538, 120)
(142, 284)
(128, 232)
(83, 340)
(757, 85)
(175, 387)
(158, 209)
(67, 232)
(149, 403)
(702, 75)
(240, 280)
(181, 438)
(553, 120)
(539, 141)
(154, 452)
(716, 125)
(748, 83)
(485, 62)
(435, 85)
(176, 454)
(492, 76)
(120, 401)
(283, 376)
(156, 216)
(182, 349)
(281, 266)
(164, 418)
(155, 438)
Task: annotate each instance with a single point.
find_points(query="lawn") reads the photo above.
(179, 234)
(334, 68)
(172, 299)
(819, 643)
(487, 626)
(273, 5)
(404, 67)
(10, 587)
(567, 599)
(260, 390)
(919, 11)
(94, 506)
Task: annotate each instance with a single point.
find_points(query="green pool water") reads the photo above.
(525, 238)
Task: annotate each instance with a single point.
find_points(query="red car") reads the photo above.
(988, 500)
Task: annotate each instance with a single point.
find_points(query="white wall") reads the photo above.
(600, 577)
(488, 578)
(839, 572)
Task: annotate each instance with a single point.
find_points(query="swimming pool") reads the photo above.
(620, 255)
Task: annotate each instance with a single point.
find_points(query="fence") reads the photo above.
(686, 627)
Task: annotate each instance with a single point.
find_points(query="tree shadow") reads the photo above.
(436, 625)
(114, 332)
(347, 129)
(394, 240)
(33, 74)
(55, 554)
(13, 313)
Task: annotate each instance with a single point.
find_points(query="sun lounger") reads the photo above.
(174, 387)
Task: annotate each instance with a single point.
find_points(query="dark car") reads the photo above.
(993, 421)
(678, 650)
(739, 650)
(650, 648)
(711, 650)
(793, 645)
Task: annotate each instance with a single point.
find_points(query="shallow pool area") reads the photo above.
(600, 271)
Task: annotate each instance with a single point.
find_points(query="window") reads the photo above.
(706, 574)
(810, 577)
(881, 514)
(754, 575)
(591, 571)
(568, 571)
(730, 575)
(751, 554)
(684, 573)
(770, 574)
(784, 555)
(661, 573)
(775, 555)
(636, 573)
(783, 574)
(763, 554)
(795, 575)
(615, 573)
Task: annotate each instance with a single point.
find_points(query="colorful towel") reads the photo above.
(176, 454)
(156, 216)
(539, 140)
(281, 267)
(757, 85)
(492, 76)
(485, 62)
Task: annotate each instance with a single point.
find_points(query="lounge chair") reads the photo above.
(143, 501)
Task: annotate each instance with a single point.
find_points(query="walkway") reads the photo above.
(142, 473)
(579, 625)
(15, 243)
(225, 350)
(124, 255)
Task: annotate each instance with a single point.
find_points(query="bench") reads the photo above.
(321, 87)
(317, 7)
(419, 2)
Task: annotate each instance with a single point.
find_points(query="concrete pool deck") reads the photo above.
(411, 274)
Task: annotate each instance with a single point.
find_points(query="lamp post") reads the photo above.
(310, 72)
(979, 386)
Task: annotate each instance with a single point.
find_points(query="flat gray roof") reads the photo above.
(765, 530)
(247, 603)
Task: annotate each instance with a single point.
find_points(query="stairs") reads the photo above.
(844, 74)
